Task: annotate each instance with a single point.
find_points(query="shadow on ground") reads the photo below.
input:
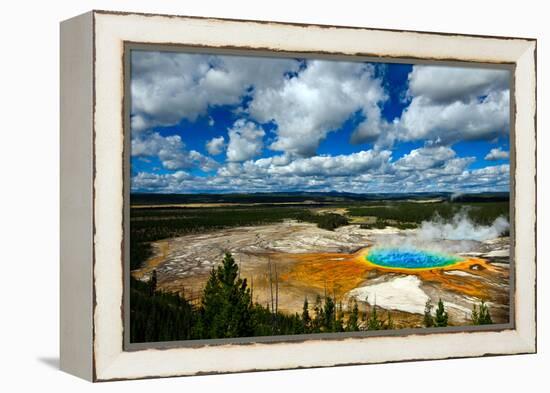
(52, 362)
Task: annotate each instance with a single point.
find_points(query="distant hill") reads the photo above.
(302, 196)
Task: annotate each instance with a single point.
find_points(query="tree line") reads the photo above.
(482, 213)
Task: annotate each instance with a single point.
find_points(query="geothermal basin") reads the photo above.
(383, 265)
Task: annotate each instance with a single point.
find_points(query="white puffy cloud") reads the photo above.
(431, 168)
(155, 182)
(425, 169)
(305, 101)
(325, 166)
(168, 86)
(319, 100)
(206, 164)
(215, 145)
(154, 144)
(340, 165)
(450, 104)
(457, 121)
(425, 158)
(308, 99)
(245, 141)
(490, 178)
(441, 84)
(497, 154)
(171, 151)
(138, 123)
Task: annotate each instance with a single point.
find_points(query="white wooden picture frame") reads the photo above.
(93, 165)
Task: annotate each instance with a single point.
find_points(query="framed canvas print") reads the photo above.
(246, 195)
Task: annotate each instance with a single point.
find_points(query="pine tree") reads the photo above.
(226, 305)
(317, 322)
(484, 315)
(306, 319)
(211, 310)
(373, 323)
(475, 316)
(441, 316)
(153, 283)
(481, 317)
(329, 314)
(389, 323)
(339, 321)
(353, 320)
(428, 318)
(162, 317)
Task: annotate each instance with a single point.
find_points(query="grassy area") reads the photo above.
(156, 224)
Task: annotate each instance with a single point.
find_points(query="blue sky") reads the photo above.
(211, 123)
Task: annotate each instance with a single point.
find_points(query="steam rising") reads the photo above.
(457, 235)
(460, 227)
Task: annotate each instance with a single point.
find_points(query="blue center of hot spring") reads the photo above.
(410, 258)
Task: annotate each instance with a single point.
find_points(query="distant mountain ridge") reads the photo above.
(305, 196)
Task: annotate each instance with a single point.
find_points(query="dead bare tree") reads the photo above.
(274, 298)
(251, 289)
(239, 266)
(335, 303)
(270, 283)
(276, 290)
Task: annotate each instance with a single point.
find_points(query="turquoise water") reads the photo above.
(410, 258)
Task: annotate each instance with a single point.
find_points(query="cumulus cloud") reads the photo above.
(485, 179)
(486, 119)
(432, 168)
(497, 154)
(319, 100)
(281, 167)
(425, 158)
(171, 151)
(167, 87)
(421, 170)
(441, 84)
(155, 182)
(138, 123)
(307, 99)
(300, 102)
(340, 165)
(450, 104)
(427, 169)
(245, 141)
(215, 146)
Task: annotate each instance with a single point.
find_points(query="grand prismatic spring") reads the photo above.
(410, 258)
